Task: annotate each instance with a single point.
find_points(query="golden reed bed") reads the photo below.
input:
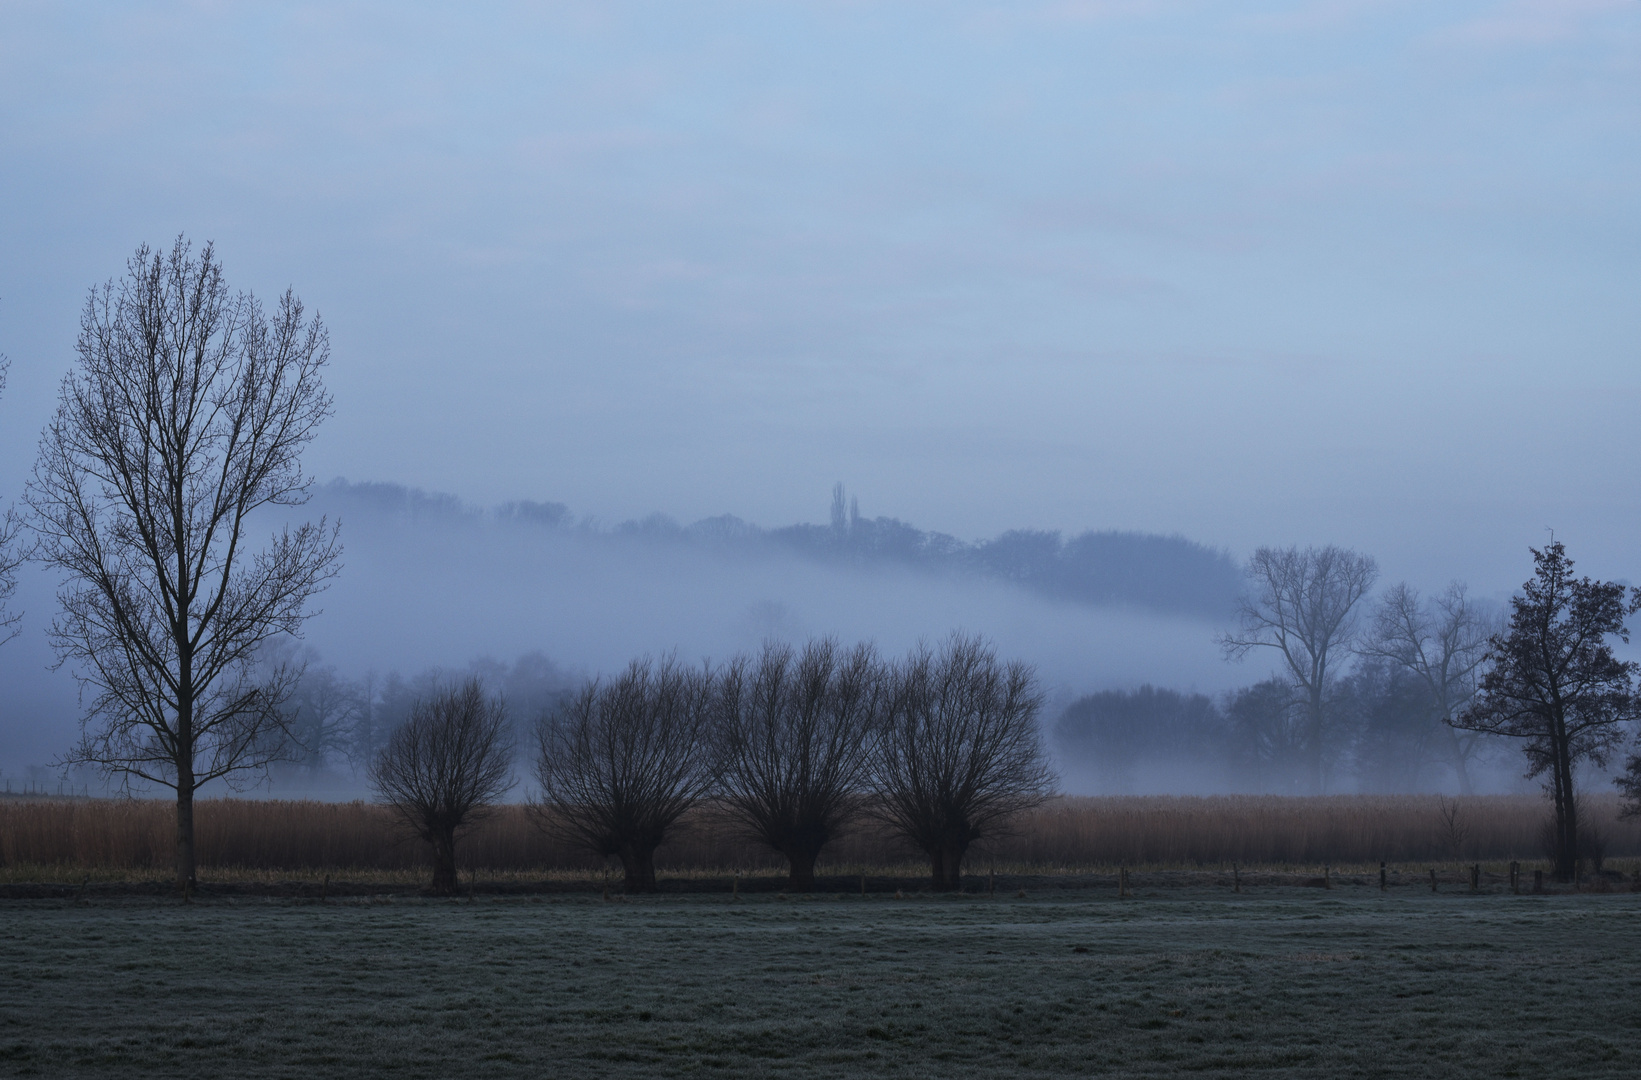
(1072, 833)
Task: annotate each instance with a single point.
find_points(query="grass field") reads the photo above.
(1182, 981)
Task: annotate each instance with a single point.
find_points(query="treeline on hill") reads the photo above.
(1164, 573)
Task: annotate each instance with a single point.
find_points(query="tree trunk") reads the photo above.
(801, 867)
(1566, 817)
(183, 751)
(1315, 740)
(1456, 750)
(946, 866)
(444, 863)
(638, 864)
(185, 833)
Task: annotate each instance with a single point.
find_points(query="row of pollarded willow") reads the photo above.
(795, 744)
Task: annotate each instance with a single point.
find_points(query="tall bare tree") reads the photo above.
(959, 752)
(1553, 682)
(624, 759)
(1442, 641)
(443, 768)
(1304, 605)
(186, 414)
(794, 735)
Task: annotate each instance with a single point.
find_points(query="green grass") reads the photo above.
(1186, 981)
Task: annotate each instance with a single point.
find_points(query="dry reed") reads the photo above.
(106, 836)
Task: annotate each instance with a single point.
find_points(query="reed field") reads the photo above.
(111, 838)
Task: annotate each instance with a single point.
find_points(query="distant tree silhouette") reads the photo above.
(320, 714)
(1266, 735)
(1114, 732)
(794, 734)
(444, 767)
(1553, 682)
(1304, 605)
(1443, 642)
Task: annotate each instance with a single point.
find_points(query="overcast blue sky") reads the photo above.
(1359, 272)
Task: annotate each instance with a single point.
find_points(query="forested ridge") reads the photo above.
(1107, 567)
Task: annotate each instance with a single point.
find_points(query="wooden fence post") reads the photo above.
(1515, 877)
(1236, 878)
(1475, 878)
(1383, 880)
(1327, 876)
(1432, 879)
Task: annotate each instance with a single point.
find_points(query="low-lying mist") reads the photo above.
(423, 590)
(429, 583)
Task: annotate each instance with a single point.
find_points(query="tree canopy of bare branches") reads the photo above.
(794, 734)
(1553, 681)
(187, 412)
(959, 752)
(443, 768)
(621, 762)
(322, 714)
(1442, 641)
(1304, 604)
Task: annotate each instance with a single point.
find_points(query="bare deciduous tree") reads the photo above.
(1553, 682)
(443, 768)
(794, 736)
(624, 759)
(959, 752)
(321, 713)
(1443, 642)
(1304, 605)
(186, 414)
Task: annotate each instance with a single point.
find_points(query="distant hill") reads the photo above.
(1163, 573)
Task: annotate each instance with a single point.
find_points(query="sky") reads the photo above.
(1257, 273)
